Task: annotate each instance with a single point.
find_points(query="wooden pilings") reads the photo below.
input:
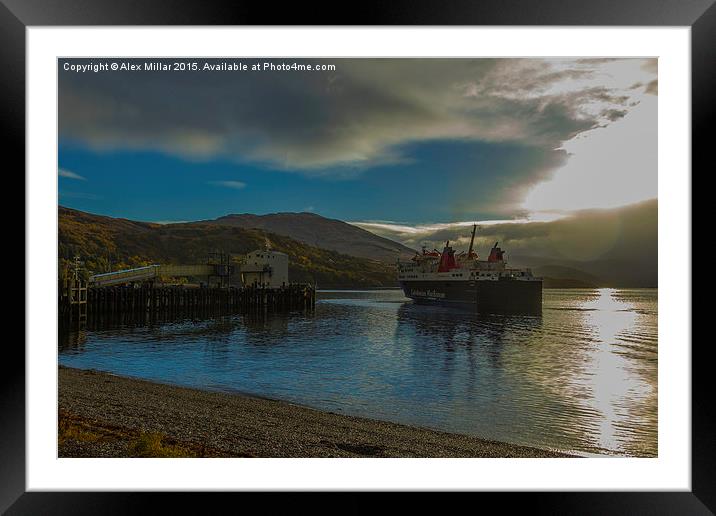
(179, 299)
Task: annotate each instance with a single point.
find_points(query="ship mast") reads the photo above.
(472, 240)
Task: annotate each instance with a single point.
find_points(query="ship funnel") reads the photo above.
(495, 254)
(447, 259)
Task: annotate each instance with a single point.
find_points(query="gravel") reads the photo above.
(246, 426)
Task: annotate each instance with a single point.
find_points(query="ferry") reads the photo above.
(447, 278)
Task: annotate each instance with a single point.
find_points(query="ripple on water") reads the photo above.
(580, 377)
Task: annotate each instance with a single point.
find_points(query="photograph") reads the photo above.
(410, 247)
(357, 257)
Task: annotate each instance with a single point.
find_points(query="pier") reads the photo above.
(77, 302)
(141, 291)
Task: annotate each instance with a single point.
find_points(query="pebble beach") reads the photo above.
(218, 424)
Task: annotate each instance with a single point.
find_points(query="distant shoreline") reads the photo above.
(105, 415)
(575, 287)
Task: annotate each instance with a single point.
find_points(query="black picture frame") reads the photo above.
(17, 15)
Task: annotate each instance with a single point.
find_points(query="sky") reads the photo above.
(383, 143)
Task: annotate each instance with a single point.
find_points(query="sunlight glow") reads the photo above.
(613, 385)
(608, 167)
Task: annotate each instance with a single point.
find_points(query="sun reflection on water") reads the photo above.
(613, 384)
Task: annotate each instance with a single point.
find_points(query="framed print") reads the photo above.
(425, 248)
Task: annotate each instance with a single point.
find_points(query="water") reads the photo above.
(582, 377)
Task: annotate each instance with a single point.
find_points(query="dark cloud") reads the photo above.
(357, 116)
(653, 87)
(615, 114)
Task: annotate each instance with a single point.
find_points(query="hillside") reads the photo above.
(317, 231)
(591, 273)
(106, 243)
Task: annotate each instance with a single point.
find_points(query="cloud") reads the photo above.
(68, 174)
(608, 167)
(236, 185)
(618, 243)
(496, 129)
(360, 116)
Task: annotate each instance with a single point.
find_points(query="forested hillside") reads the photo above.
(106, 244)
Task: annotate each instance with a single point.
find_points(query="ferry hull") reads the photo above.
(511, 296)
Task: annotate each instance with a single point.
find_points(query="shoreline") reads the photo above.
(106, 415)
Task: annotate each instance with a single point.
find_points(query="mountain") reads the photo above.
(318, 231)
(558, 276)
(106, 243)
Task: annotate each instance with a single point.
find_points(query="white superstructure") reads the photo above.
(265, 268)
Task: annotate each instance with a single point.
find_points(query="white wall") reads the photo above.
(256, 260)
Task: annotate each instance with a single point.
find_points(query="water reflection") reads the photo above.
(616, 390)
(582, 376)
(71, 339)
(451, 329)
